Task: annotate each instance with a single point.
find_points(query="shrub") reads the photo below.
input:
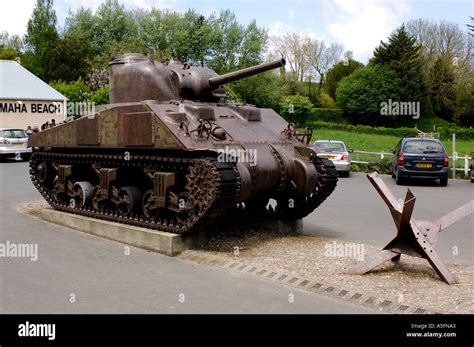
(333, 115)
(338, 72)
(262, 90)
(296, 109)
(466, 119)
(364, 129)
(326, 100)
(101, 96)
(76, 91)
(362, 93)
(462, 133)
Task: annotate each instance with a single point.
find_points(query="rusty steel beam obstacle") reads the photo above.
(416, 238)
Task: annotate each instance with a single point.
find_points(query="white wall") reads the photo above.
(32, 113)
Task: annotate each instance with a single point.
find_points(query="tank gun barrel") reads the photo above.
(217, 81)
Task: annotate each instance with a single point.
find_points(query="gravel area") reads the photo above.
(412, 281)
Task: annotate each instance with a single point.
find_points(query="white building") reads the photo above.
(27, 100)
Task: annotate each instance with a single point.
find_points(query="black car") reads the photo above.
(416, 157)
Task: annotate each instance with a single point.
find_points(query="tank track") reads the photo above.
(225, 180)
(290, 206)
(304, 205)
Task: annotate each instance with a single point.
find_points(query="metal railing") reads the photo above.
(432, 135)
(453, 159)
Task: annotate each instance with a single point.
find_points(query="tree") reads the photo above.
(225, 41)
(362, 93)
(75, 91)
(10, 42)
(465, 105)
(307, 58)
(253, 45)
(292, 87)
(442, 41)
(320, 58)
(471, 26)
(402, 54)
(438, 38)
(443, 88)
(262, 90)
(42, 37)
(7, 54)
(296, 108)
(339, 71)
(199, 30)
(293, 46)
(8, 48)
(68, 60)
(156, 27)
(84, 25)
(114, 25)
(190, 40)
(111, 30)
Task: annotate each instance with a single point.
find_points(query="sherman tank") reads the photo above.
(168, 153)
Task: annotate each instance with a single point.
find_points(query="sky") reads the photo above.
(359, 25)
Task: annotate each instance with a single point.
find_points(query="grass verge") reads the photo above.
(381, 143)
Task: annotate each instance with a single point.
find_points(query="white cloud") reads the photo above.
(361, 25)
(278, 29)
(14, 16)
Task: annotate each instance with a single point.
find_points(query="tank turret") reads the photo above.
(135, 77)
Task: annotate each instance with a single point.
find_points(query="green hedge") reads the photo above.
(332, 115)
(461, 133)
(445, 133)
(364, 129)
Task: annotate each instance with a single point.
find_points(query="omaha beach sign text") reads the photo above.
(20, 107)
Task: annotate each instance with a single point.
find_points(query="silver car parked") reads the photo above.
(337, 152)
(13, 143)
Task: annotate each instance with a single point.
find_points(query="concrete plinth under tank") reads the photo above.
(152, 240)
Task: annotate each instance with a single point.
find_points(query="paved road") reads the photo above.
(101, 278)
(355, 212)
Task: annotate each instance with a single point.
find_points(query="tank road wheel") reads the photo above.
(45, 173)
(186, 207)
(82, 193)
(97, 203)
(150, 213)
(130, 201)
(58, 197)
